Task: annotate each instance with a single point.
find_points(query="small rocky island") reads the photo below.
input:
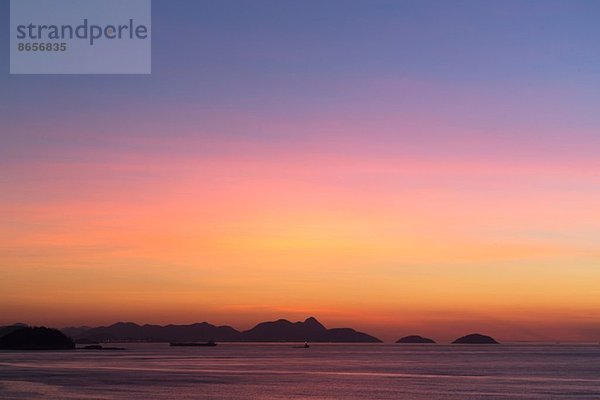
(36, 338)
(475, 338)
(415, 339)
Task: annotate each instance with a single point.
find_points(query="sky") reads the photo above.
(400, 167)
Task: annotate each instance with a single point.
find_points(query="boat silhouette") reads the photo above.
(210, 343)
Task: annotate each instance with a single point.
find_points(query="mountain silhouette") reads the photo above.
(475, 338)
(36, 338)
(415, 339)
(5, 330)
(129, 331)
(75, 331)
(310, 330)
(282, 330)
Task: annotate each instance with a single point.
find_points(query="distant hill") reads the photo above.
(130, 332)
(475, 338)
(283, 330)
(36, 338)
(310, 330)
(274, 331)
(75, 331)
(415, 339)
(5, 330)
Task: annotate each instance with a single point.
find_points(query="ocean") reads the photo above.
(324, 371)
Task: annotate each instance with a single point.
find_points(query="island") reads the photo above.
(415, 339)
(475, 338)
(309, 330)
(36, 338)
(5, 330)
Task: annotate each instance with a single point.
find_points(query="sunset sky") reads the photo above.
(400, 167)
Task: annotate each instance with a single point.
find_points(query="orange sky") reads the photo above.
(389, 246)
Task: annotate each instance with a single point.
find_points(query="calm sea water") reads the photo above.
(278, 371)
